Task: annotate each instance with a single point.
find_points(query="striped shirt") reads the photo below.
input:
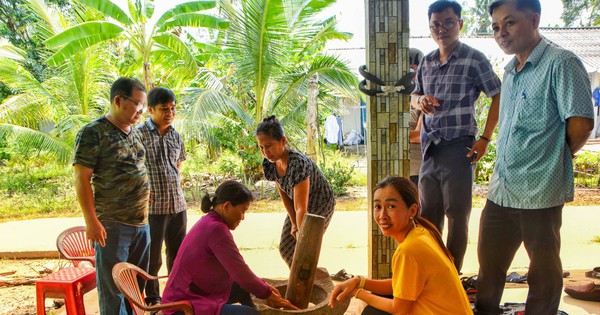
(456, 85)
(163, 153)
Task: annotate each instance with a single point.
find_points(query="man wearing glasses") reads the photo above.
(110, 156)
(448, 84)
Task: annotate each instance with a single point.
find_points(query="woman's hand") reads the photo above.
(276, 301)
(294, 230)
(343, 291)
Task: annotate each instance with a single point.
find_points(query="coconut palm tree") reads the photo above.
(45, 116)
(271, 51)
(152, 41)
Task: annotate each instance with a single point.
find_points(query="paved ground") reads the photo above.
(344, 246)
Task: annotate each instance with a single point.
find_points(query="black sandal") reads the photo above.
(341, 275)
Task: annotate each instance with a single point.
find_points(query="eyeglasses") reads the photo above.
(447, 25)
(137, 103)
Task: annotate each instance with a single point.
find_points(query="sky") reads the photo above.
(351, 18)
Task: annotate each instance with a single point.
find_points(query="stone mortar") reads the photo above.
(322, 288)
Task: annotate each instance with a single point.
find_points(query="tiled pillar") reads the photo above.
(388, 115)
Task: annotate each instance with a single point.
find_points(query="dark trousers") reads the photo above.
(501, 232)
(445, 190)
(170, 228)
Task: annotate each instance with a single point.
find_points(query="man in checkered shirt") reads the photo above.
(167, 211)
(449, 82)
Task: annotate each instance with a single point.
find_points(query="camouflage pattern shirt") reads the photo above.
(119, 179)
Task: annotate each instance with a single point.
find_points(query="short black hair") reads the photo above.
(160, 95)
(442, 5)
(533, 5)
(271, 127)
(124, 86)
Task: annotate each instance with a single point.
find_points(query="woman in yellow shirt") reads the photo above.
(424, 279)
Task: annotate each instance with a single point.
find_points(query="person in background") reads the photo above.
(301, 185)
(165, 153)
(449, 81)
(209, 271)
(110, 158)
(546, 116)
(423, 279)
(415, 123)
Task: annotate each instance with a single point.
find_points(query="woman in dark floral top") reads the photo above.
(301, 185)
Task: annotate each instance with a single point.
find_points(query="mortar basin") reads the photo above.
(319, 300)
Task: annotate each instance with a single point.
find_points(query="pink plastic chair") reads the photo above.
(73, 244)
(125, 277)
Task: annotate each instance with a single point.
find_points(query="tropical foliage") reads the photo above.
(251, 59)
(268, 55)
(154, 42)
(581, 12)
(44, 115)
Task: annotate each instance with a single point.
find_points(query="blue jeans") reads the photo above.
(234, 309)
(231, 309)
(123, 243)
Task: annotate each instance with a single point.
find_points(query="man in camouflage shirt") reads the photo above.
(110, 157)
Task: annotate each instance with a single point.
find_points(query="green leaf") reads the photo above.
(149, 9)
(108, 8)
(16, 77)
(8, 50)
(77, 45)
(196, 20)
(174, 43)
(83, 30)
(187, 7)
(36, 139)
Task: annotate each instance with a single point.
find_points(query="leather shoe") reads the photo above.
(588, 292)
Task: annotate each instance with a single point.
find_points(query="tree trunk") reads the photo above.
(311, 118)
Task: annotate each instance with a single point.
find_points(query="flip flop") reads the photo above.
(594, 273)
(514, 277)
(469, 282)
(341, 275)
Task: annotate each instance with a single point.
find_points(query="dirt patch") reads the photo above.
(20, 300)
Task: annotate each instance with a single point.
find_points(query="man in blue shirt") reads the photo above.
(448, 84)
(545, 118)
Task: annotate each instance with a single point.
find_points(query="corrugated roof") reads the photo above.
(583, 41)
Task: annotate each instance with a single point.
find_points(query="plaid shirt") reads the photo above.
(163, 153)
(456, 84)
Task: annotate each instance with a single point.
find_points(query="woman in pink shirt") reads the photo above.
(209, 270)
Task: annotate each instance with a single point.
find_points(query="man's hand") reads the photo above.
(479, 149)
(427, 104)
(95, 232)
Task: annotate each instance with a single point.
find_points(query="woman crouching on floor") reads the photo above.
(424, 279)
(209, 270)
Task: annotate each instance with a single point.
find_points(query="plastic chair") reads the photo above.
(70, 283)
(125, 277)
(73, 244)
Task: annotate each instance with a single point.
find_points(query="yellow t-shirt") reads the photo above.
(422, 273)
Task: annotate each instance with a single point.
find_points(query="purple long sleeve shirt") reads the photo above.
(207, 264)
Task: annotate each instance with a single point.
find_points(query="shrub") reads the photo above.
(586, 168)
(337, 175)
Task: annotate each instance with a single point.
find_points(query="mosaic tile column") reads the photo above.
(387, 115)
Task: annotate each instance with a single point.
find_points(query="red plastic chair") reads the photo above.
(73, 244)
(125, 277)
